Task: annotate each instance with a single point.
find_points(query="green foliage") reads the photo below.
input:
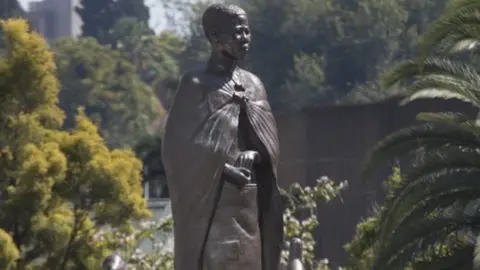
(57, 188)
(136, 9)
(149, 150)
(434, 212)
(107, 85)
(156, 58)
(300, 217)
(26, 55)
(99, 17)
(128, 33)
(9, 253)
(155, 232)
(306, 77)
(300, 221)
(456, 30)
(362, 247)
(437, 199)
(453, 251)
(11, 8)
(436, 204)
(311, 53)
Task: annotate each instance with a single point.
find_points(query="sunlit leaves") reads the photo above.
(300, 219)
(57, 188)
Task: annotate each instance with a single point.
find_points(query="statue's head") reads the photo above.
(227, 30)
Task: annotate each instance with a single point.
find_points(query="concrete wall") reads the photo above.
(333, 141)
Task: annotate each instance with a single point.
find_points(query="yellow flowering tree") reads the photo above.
(58, 189)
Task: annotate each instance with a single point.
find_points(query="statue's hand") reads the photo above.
(238, 176)
(247, 159)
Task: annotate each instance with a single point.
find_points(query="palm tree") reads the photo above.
(432, 219)
(436, 201)
(456, 30)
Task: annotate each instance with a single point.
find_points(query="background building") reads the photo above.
(55, 18)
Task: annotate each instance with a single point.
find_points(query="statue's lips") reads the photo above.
(245, 46)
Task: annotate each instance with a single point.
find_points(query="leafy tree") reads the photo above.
(154, 56)
(128, 32)
(98, 19)
(362, 247)
(106, 84)
(456, 30)
(437, 202)
(311, 53)
(149, 150)
(9, 253)
(11, 8)
(132, 9)
(433, 214)
(300, 217)
(58, 189)
(100, 16)
(153, 231)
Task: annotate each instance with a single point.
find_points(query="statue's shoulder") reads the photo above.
(257, 84)
(192, 78)
(253, 78)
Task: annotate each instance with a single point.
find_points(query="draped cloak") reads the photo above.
(200, 130)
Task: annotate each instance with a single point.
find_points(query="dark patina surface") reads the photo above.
(220, 152)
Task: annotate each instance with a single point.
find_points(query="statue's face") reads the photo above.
(237, 37)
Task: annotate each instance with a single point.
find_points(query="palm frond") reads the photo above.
(447, 25)
(428, 135)
(411, 70)
(423, 234)
(459, 259)
(417, 193)
(431, 205)
(444, 87)
(403, 71)
(453, 159)
(444, 117)
(466, 38)
(456, 5)
(476, 254)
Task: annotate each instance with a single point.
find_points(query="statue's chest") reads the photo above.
(230, 92)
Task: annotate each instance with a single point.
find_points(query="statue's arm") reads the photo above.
(235, 175)
(261, 93)
(188, 90)
(183, 108)
(190, 94)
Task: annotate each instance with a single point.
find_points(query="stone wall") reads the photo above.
(333, 141)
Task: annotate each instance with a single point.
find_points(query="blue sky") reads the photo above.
(155, 13)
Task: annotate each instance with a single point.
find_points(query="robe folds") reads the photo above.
(202, 125)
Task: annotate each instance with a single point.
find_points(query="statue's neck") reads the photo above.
(221, 64)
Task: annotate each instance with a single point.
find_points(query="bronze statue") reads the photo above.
(220, 152)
